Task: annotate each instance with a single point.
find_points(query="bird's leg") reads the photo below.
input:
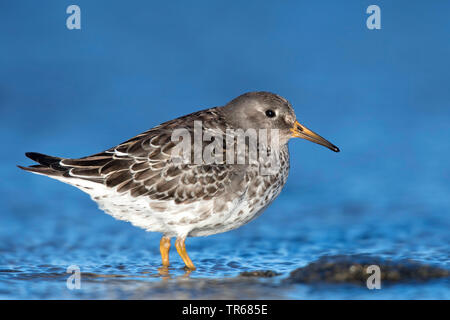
(164, 247)
(181, 248)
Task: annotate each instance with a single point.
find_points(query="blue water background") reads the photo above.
(382, 96)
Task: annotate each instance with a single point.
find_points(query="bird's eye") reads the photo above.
(270, 113)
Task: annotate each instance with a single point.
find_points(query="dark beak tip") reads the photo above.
(336, 149)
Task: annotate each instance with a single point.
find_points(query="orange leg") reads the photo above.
(164, 247)
(181, 248)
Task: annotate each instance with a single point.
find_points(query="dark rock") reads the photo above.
(259, 274)
(353, 269)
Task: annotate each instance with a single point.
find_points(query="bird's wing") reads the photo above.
(143, 166)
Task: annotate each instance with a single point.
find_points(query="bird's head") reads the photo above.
(265, 110)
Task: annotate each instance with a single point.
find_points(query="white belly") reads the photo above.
(200, 218)
(178, 220)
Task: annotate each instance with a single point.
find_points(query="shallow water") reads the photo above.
(381, 96)
(120, 261)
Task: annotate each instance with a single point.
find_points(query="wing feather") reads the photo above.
(142, 166)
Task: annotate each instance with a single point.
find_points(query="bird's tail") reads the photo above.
(48, 165)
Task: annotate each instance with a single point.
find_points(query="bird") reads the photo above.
(139, 180)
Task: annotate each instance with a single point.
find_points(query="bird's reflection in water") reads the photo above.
(164, 273)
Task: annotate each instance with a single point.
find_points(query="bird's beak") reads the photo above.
(300, 131)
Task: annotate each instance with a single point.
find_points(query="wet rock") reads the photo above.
(259, 274)
(354, 269)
